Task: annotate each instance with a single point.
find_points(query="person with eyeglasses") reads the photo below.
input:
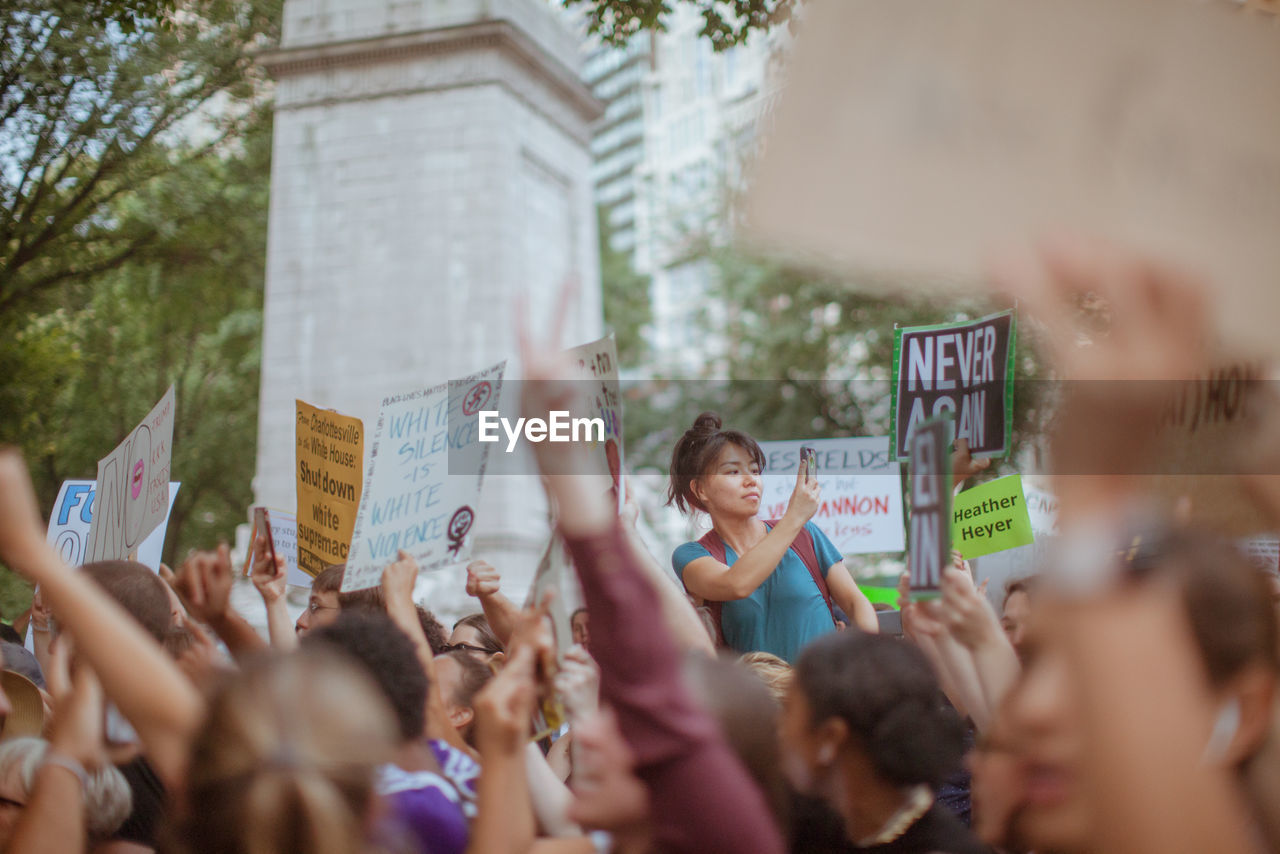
(326, 600)
(473, 635)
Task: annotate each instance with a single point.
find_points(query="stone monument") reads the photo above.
(431, 164)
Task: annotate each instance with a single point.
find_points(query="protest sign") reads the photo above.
(991, 517)
(132, 489)
(1213, 428)
(284, 534)
(861, 508)
(597, 361)
(929, 547)
(962, 369)
(1263, 551)
(1042, 509)
(424, 478)
(330, 460)
(959, 128)
(73, 514)
(550, 576)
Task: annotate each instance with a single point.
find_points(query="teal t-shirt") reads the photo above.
(784, 613)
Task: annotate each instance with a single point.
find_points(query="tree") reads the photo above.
(725, 22)
(94, 100)
(626, 297)
(806, 357)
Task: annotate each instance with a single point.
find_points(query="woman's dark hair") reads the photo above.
(386, 653)
(886, 693)
(696, 453)
(487, 638)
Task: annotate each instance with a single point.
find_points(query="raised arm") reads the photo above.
(711, 579)
(203, 582)
(397, 586)
(701, 798)
(270, 579)
(136, 674)
(485, 583)
(678, 613)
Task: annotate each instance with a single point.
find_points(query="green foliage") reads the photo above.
(725, 22)
(135, 248)
(94, 98)
(807, 357)
(626, 298)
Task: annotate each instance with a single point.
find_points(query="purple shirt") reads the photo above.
(434, 808)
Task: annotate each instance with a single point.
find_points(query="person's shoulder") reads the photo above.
(686, 553)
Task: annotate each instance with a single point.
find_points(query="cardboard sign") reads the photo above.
(553, 569)
(330, 462)
(929, 547)
(284, 534)
(132, 488)
(72, 516)
(424, 478)
(598, 363)
(962, 369)
(991, 517)
(961, 128)
(861, 508)
(1212, 428)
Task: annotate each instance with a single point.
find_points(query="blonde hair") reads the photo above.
(285, 760)
(107, 797)
(772, 671)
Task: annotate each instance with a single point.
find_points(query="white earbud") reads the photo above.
(1225, 727)
(826, 754)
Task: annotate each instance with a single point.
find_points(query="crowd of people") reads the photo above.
(1123, 701)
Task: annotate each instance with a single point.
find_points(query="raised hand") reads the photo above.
(482, 579)
(204, 583)
(77, 730)
(21, 528)
(963, 465)
(967, 614)
(805, 497)
(578, 683)
(399, 578)
(268, 576)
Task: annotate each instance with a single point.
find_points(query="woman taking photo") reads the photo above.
(771, 584)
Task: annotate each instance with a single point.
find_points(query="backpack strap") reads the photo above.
(805, 549)
(715, 546)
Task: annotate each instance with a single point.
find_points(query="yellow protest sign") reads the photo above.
(330, 469)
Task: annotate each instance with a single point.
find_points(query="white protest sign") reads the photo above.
(957, 129)
(1042, 507)
(284, 535)
(73, 514)
(598, 363)
(861, 509)
(132, 486)
(424, 476)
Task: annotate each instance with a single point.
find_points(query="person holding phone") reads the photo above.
(770, 586)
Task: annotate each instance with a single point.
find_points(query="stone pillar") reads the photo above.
(431, 163)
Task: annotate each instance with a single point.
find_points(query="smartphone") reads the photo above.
(809, 459)
(262, 522)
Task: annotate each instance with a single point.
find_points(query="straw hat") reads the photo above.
(27, 715)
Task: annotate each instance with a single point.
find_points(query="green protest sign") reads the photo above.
(991, 518)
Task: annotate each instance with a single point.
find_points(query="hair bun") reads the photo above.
(707, 422)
